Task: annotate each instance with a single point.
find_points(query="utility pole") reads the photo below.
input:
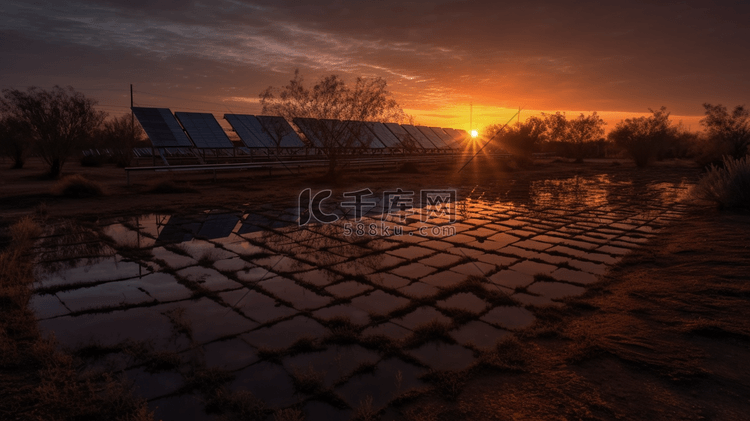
(471, 117)
(132, 116)
(519, 115)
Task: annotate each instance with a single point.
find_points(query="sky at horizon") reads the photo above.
(438, 56)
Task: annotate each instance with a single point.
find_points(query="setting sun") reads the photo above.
(474, 133)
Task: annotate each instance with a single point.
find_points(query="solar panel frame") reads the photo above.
(429, 134)
(385, 136)
(280, 132)
(250, 131)
(161, 127)
(204, 130)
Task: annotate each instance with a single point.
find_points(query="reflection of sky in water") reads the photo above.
(252, 278)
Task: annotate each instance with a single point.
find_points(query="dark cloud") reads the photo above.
(626, 56)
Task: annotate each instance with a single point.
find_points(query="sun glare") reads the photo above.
(474, 133)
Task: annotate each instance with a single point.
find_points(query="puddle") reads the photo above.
(353, 314)
(388, 280)
(46, 306)
(152, 385)
(421, 317)
(509, 317)
(465, 301)
(479, 334)
(103, 296)
(443, 356)
(207, 278)
(331, 365)
(391, 378)
(379, 302)
(444, 279)
(209, 320)
(285, 333)
(419, 290)
(555, 290)
(511, 279)
(388, 329)
(229, 355)
(288, 290)
(83, 271)
(413, 270)
(268, 382)
(256, 306)
(263, 282)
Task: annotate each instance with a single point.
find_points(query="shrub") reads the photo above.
(644, 137)
(727, 186)
(78, 186)
(60, 120)
(120, 135)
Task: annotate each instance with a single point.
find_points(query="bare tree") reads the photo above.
(729, 132)
(644, 137)
(14, 140)
(120, 135)
(332, 99)
(60, 121)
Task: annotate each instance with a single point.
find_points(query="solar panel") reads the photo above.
(459, 138)
(249, 130)
(418, 136)
(280, 132)
(429, 134)
(204, 130)
(161, 127)
(218, 226)
(407, 141)
(345, 133)
(445, 137)
(385, 136)
(314, 130)
(365, 136)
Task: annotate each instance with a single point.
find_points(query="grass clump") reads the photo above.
(727, 186)
(46, 383)
(78, 186)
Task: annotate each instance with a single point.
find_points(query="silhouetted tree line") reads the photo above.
(643, 139)
(54, 124)
(58, 123)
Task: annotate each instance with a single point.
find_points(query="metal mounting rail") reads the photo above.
(298, 164)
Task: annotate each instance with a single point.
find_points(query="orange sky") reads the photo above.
(438, 56)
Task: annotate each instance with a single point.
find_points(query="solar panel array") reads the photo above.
(250, 131)
(280, 132)
(204, 130)
(161, 127)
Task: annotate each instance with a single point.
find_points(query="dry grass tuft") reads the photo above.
(727, 186)
(78, 186)
(47, 384)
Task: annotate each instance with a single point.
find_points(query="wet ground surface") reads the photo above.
(325, 317)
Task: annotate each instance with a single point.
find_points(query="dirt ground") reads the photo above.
(666, 335)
